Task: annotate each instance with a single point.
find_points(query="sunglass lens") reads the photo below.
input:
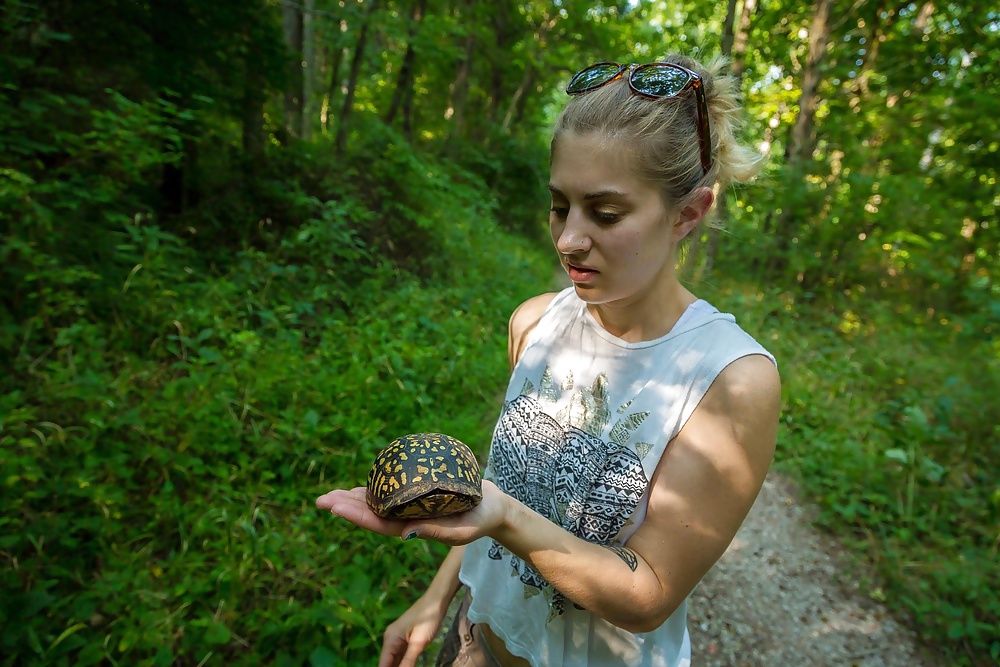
(592, 77)
(659, 80)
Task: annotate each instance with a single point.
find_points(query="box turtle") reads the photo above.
(424, 476)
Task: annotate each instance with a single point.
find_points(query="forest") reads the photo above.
(245, 243)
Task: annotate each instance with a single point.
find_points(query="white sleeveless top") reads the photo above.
(586, 419)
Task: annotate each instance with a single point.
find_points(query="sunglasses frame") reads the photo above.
(694, 81)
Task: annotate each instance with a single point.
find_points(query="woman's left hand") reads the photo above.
(453, 530)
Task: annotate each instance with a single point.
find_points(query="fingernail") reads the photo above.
(410, 535)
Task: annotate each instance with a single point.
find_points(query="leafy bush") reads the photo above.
(160, 461)
(884, 426)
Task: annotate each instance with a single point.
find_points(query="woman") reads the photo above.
(639, 421)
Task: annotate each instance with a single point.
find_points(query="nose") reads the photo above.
(571, 235)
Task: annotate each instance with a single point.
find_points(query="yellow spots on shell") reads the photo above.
(424, 475)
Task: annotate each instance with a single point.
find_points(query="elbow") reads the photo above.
(648, 624)
(651, 619)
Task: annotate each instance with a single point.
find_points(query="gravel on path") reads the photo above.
(782, 595)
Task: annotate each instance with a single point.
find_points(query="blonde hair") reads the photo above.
(662, 134)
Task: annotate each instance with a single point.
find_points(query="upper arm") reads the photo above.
(708, 478)
(522, 321)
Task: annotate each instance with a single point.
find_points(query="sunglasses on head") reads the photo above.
(654, 81)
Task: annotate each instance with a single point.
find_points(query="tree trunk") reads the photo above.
(352, 81)
(802, 140)
(252, 108)
(875, 38)
(407, 124)
(519, 101)
(803, 137)
(404, 83)
(335, 58)
(499, 66)
(516, 105)
(734, 46)
(309, 69)
(458, 93)
(923, 16)
(738, 55)
(291, 22)
(252, 103)
(727, 28)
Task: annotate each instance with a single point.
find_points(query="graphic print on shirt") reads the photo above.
(561, 466)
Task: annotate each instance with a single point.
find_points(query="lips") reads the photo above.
(579, 273)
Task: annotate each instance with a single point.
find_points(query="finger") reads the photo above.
(392, 651)
(361, 515)
(327, 500)
(413, 651)
(452, 529)
(353, 506)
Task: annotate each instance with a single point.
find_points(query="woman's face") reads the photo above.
(614, 236)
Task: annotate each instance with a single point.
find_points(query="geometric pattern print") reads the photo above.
(586, 484)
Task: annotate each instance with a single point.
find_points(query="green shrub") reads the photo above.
(159, 463)
(887, 424)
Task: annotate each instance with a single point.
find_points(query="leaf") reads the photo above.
(31, 603)
(209, 354)
(351, 617)
(917, 417)
(217, 633)
(898, 455)
(322, 657)
(163, 658)
(933, 471)
(66, 633)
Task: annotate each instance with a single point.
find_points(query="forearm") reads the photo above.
(446, 583)
(617, 585)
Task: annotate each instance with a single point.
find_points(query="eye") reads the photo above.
(606, 217)
(559, 211)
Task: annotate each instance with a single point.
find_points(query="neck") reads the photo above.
(645, 316)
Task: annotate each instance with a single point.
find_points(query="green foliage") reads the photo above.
(517, 173)
(900, 194)
(51, 277)
(883, 425)
(159, 505)
(211, 310)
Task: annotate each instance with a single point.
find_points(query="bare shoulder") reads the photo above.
(738, 418)
(747, 388)
(522, 321)
(526, 316)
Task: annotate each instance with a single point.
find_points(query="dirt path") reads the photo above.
(781, 596)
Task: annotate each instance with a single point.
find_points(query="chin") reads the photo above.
(591, 295)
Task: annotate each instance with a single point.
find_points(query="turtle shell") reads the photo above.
(424, 476)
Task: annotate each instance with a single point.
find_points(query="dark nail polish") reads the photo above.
(410, 535)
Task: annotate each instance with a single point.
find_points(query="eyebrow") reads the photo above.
(591, 195)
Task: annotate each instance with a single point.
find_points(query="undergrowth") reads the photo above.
(179, 391)
(885, 427)
(161, 448)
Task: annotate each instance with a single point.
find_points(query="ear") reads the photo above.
(697, 205)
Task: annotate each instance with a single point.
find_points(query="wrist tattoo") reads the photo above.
(626, 555)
